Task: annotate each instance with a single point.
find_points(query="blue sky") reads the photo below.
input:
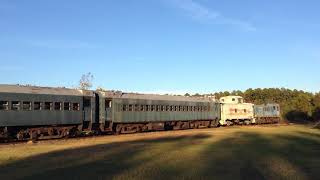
(161, 46)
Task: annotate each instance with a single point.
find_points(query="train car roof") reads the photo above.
(39, 90)
(122, 95)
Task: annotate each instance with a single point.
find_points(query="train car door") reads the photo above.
(108, 106)
(88, 112)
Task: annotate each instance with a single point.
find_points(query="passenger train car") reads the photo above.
(28, 112)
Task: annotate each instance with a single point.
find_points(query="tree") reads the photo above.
(86, 81)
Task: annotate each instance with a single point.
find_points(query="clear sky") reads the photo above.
(162, 46)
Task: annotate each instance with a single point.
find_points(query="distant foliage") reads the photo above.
(295, 105)
(86, 81)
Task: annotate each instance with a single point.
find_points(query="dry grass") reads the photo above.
(284, 152)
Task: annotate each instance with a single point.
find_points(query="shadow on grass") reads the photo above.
(102, 161)
(243, 156)
(253, 156)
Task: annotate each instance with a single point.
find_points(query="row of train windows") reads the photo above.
(138, 107)
(270, 109)
(27, 106)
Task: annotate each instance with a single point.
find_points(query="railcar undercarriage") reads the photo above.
(126, 128)
(40, 132)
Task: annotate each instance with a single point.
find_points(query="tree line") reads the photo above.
(296, 105)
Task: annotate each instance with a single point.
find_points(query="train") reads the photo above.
(31, 112)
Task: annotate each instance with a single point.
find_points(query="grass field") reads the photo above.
(268, 152)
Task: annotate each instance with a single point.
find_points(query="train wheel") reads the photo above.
(229, 123)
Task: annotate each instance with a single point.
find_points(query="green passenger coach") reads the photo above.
(130, 112)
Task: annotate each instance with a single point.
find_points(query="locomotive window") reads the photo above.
(76, 106)
(57, 106)
(4, 105)
(37, 105)
(26, 106)
(66, 106)
(108, 103)
(48, 106)
(15, 105)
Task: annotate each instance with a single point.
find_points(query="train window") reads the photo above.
(142, 108)
(153, 107)
(48, 106)
(4, 105)
(235, 110)
(26, 106)
(87, 102)
(233, 99)
(37, 105)
(204, 108)
(108, 103)
(147, 107)
(277, 108)
(130, 107)
(57, 106)
(66, 106)
(136, 107)
(244, 110)
(15, 105)
(195, 108)
(76, 106)
(124, 107)
(274, 108)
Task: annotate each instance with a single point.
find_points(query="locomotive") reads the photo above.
(29, 112)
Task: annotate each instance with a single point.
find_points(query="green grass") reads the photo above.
(280, 152)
